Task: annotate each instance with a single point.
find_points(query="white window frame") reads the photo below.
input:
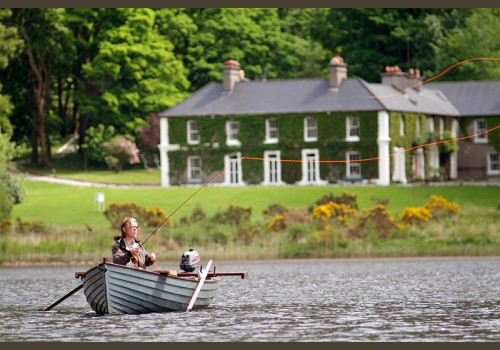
(269, 130)
(310, 129)
(401, 126)
(233, 176)
(352, 165)
(231, 135)
(310, 166)
(192, 168)
(493, 165)
(349, 127)
(480, 128)
(272, 168)
(193, 134)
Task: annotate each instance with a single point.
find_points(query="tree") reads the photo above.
(40, 32)
(478, 37)
(127, 71)
(10, 191)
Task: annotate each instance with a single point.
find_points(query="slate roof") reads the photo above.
(354, 94)
(275, 97)
(472, 98)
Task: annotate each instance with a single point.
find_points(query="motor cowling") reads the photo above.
(189, 260)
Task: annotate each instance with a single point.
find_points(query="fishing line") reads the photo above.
(335, 161)
(191, 197)
(439, 75)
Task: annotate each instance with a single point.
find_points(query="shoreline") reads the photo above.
(261, 261)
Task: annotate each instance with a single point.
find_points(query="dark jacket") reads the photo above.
(122, 256)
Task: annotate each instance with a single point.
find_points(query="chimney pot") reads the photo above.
(338, 71)
(232, 74)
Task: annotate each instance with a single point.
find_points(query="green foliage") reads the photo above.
(120, 151)
(151, 217)
(95, 138)
(475, 37)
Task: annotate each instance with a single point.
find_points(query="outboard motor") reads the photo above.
(189, 260)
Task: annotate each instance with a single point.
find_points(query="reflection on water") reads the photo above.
(318, 301)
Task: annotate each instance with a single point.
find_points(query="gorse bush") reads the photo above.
(151, 217)
(415, 216)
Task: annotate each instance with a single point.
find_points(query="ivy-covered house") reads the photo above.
(318, 131)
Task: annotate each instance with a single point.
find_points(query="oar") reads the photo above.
(64, 297)
(200, 284)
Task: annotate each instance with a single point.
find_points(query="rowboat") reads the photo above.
(116, 289)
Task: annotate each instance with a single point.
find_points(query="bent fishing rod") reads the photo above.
(187, 200)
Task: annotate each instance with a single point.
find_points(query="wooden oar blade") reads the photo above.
(64, 297)
(198, 288)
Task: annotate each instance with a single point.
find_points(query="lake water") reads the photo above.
(423, 300)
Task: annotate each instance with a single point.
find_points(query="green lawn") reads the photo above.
(74, 206)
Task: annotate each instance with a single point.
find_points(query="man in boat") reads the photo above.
(128, 250)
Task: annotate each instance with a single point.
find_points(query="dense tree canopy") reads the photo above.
(63, 71)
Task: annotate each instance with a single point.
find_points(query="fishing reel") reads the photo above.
(189, 260)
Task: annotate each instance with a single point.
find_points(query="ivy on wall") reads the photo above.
(331, 144)
(407, 139)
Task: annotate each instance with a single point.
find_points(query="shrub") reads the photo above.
(439, 206)
(378, 218)
(234, 214)
(36, 226)
(247, 233)
(5, 225)
(275, 209)
(415, 216)
(340, 212)
(120, 151)
(92, 146)
(278, 223)
(154, 217)
(345, 198)
(117, 211)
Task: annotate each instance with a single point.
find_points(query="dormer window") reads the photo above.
(352, 129)
(232, 130)
(310, 129)
(193, 133)
(271, 131)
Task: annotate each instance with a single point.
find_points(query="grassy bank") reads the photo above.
(66, 228)
(66, 205)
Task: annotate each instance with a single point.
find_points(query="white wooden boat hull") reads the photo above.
(116, 289)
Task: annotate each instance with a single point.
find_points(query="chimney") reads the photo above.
(232, 74)
(338, 71)
(395, 77)
(415, 79)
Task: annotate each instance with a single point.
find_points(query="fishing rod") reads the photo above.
(187, 200)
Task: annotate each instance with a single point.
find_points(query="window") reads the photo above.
(352, 126)
(493, 164)
(232, 130)
(401, 126)
(272, 168)
(193, 134)
(353, 166)
(233, 174)
(310, 129)
(417, 127)
(194, 168)
(271, 131)
(310, 168)
(480, 126)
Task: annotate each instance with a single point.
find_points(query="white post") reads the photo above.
(454, 157)
(383, 141)
(163, 147)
